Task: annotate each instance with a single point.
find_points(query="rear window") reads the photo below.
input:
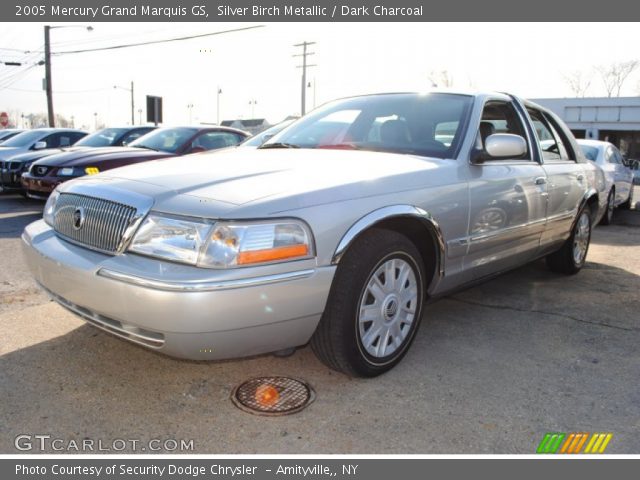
(590, 152)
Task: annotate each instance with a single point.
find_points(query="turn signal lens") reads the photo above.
(272, 254)
(91, 170)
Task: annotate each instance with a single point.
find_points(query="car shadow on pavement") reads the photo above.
(491, 370)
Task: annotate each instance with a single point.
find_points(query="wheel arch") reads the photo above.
(415, 223)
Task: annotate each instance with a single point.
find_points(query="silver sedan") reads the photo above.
(338, 231)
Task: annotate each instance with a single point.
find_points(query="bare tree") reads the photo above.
(614, 75)
(578, 82)
(441, 79)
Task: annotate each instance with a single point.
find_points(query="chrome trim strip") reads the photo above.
(203, 286)
(390, 212)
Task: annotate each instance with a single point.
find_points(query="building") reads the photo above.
(615, 120)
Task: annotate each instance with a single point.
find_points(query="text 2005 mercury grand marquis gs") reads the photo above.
(336, 232)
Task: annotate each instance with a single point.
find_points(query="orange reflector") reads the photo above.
(272, 254)
(267, 395)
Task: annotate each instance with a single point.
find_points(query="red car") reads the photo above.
(46, 174)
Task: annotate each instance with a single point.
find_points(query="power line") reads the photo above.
(155, 42)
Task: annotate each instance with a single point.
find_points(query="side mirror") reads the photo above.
(500, 146)
(39, 145)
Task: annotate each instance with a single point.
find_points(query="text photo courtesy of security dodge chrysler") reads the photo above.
(337, 232)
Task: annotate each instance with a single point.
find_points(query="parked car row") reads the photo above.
(338, 231)
(618, 177)
(34, 162)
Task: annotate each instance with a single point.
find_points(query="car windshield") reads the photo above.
(262, 137)
(590, 152)
(102, 138)
(165, 139)
(420, 124)
(23, 139)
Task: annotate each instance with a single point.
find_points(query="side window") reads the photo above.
(75, 136)
(550, 145)
(500, 117)
(617, 156)
(52, 140)
(609, 156)
(64, 140)
(215, 140)
(131, 136)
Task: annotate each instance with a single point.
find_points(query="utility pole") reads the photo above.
(218, 105)
(133, 107)
(304, 66)
(47, 67)
(47, 75)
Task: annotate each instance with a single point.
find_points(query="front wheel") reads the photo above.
(374, 306)
(573, 254)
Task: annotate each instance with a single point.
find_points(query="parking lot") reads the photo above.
(492, 369)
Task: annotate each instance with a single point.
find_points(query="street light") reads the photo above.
(47, 66)
(139, 116)
(253, 102)
(95, 121)
(190, 108)
(132, 101)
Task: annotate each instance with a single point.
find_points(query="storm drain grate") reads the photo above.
(272, 395)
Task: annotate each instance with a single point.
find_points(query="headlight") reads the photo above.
(172, 238)
(223, 244)
(70, 172)
(49, 208)
(238, 244)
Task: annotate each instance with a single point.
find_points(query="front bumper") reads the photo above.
(40, 187)
(162, 306)
(10, 173)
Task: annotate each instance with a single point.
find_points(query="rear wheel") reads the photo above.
(607, 218)
(573, 254)
(374, 306)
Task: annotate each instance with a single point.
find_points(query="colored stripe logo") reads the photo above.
(555, 442)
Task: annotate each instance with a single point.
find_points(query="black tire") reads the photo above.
(607, 218)
(336, 341)
(564, 260)
(627, 205)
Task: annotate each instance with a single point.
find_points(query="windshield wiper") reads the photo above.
(279, 145)
(144, 146)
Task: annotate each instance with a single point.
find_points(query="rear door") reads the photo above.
(507, 198)
(566, 179)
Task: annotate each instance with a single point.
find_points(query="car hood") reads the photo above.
(88, 156)
(38, 154)
(241, 176)
(8, 152)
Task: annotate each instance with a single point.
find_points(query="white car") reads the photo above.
(619, 178)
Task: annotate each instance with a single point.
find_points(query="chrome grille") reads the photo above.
(103, 226)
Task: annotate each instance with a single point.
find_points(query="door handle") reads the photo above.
(540, 180)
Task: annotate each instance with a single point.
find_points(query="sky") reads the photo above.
(256, 69)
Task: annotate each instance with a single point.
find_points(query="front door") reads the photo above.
(508, 199)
